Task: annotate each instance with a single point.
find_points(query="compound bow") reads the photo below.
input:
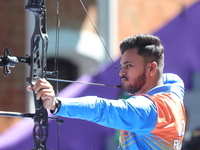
(37, 62)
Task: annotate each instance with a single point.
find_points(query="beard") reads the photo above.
(139, 82)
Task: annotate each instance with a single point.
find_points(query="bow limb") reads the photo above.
(38, 52)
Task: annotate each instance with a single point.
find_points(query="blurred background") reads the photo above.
(83, 56)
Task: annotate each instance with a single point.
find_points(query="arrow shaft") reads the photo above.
(80, 82)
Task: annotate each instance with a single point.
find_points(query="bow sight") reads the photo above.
(7, 61)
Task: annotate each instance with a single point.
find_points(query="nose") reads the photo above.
(122, 72)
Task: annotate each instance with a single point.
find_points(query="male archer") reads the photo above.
(153, 118)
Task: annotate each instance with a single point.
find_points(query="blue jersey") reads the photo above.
(151, 121)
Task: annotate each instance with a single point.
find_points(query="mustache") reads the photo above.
(124, 77)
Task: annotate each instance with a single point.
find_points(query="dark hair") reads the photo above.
(149, 47)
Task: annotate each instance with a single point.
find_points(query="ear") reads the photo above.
(152, 68)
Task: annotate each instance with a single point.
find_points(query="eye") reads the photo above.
(128, 65)
(125, 66)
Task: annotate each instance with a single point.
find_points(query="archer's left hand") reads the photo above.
(44, 91)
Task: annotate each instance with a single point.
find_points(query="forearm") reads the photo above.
(111, 113)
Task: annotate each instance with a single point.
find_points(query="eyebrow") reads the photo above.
(126, 62)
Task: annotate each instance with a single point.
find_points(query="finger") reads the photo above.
(40, 81)
(45, 93)
(41, 87)
(47, 97)
(42, 84)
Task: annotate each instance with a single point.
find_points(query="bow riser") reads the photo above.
(39, 45)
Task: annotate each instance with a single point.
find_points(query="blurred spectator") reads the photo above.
(194, 142)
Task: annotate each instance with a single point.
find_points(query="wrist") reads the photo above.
(57, 107)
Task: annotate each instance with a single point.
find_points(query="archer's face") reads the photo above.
(133, 73)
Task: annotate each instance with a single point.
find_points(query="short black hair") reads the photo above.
(149, 47)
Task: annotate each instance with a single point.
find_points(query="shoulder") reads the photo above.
(173, 79)
(141, 102)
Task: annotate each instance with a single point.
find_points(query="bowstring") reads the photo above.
(115, 68)
(58, 18)
(98, 34)
(57, 44)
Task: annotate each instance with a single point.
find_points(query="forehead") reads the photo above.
(130, 55)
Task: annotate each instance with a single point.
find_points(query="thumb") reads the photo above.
(29, 88)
